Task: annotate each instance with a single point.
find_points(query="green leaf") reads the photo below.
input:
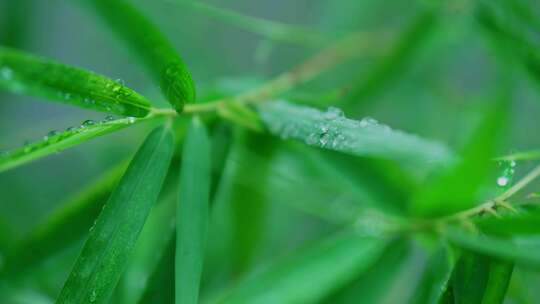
(78, 213)
(249, 204)
(522, 155)
(192, 213)
(154, 50)
(455, 187)
(500, 273)
(311, 274)
(157, 234)
(23, 73)
(58, 141)
(331, 130)
(436, 277)
(506, 249)
(380, 276)
(111, 240)
(160, 287)
(270, 29)
(241, 115)
(523, 223)
(470, 278)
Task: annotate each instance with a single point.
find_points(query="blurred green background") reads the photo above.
(438, 91)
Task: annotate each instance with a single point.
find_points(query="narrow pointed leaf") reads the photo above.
(192, 213)
(470, 278)
(455, 187)
(500, 273)
(436, 277)
(310, 275)
(106, 251)
(523, 223)
(59, 141)
(26, 74)
(151, 47)
(497, 247)
(330, 130)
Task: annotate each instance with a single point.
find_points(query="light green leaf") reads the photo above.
(78, 213)
(58, 141)
(192, 213)
(331, 130)
(497, 247)
(26, 74)
(522, 155)
(311, 274)
(151, 46)
(241, 115)
(111, 240)
(436, 277)
(269, 29)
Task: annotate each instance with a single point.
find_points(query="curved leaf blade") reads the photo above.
(500, 273)
(192, 213)
(59, 141)
(23, 73)
(152, 47)
(106, 251)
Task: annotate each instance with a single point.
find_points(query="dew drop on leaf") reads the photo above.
(88, 123)
(507, 173)
(6, 73)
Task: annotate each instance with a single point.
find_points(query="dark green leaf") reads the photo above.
(436, 277)
(500, 273)
(523, 223)
(152, 47)
(328, 265)
(23, 73)
(470, 278)
(111, 240)
(192, 213)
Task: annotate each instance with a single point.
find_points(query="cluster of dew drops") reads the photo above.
(508, 168)
(327, 133)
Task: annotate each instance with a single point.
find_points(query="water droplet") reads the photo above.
(52, 133)
(120, 81)
(71, 129)
(368, 122)
(507, 173)
(325, 138)
(502, 181)
(312, 139)
(324, 128)
(6, 73)
(93, 296)
(130, 120)
(333, 113)
(88, 123)
(108, 118)
(27, 147)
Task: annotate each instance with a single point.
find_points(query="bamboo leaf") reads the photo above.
(23, 73)
(328, 265)
(105, 253)
(151, 47)
(270, 29)
(523, 223)
(192, 213)
(500, 273)
(331, 130)
(77, 213)
(470, 278)
(455, 187)
(436, 277)
(58, 141)
(524, 253)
